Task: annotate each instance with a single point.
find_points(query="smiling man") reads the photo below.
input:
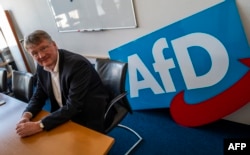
(71, 84)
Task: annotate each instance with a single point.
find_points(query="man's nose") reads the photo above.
(41, 54)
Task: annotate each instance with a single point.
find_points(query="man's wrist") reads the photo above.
(27, 115)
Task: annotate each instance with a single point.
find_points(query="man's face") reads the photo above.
(45, 53)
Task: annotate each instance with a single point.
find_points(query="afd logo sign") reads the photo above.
(198, 66)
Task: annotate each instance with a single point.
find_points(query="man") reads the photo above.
(70, 82)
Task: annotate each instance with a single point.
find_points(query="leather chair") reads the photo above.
(3, 81)
(22, 85)
(113, 74)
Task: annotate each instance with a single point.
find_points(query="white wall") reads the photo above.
(151, 15)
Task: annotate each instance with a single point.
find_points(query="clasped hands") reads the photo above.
(25, 127)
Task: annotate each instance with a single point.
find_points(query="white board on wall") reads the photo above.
(92, 15)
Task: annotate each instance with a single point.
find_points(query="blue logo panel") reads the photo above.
(199, 55)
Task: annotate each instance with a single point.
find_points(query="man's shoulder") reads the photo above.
(65, 54)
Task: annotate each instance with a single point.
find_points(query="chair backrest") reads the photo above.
(113, 74)
(22, 85)
(3, 81)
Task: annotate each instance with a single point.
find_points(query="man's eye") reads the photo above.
(34, 54)
(43, 49)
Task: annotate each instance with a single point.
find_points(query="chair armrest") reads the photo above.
(113, 101)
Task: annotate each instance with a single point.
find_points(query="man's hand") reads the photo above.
(29, 128)
(25, 117)
(25, 127)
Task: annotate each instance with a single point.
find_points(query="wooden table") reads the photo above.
(67, 139)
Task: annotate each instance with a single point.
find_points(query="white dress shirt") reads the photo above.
(55, 82)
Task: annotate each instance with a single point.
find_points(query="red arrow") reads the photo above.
(214, 108)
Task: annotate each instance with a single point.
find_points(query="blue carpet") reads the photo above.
(162, 136)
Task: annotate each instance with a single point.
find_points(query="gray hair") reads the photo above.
(36, 38)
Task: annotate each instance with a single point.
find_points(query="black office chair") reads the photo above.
(3, 81)
(113, 75)
(22, 85)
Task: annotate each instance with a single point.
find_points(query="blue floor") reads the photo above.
(162, 136)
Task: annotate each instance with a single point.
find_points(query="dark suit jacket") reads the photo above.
(83, 95)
